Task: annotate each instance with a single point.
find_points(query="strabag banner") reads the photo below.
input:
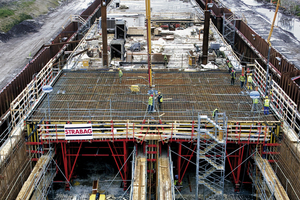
(78, 132)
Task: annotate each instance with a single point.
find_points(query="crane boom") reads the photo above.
(274, 19)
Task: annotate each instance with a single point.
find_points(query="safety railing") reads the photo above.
(21, 105)
(281, 104)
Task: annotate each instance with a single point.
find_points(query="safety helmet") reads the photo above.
(151, 95)
(232, 71)
(158, 92)
(227, 61)
(118, 68)
(242, 74)
(267, 97)
(250, 74)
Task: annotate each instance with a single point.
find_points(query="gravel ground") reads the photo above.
(29, 36)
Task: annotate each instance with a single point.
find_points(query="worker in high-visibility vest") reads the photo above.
(215, 112)
(166, 60)
(242, 80)
(150, 103)
(233, 76)
(266, 105)
(159, 100)
(120, 75)
(249, 82)
(229, 66)
(254, 105)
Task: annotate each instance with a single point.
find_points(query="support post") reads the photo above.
(205, 37)
(104, 33)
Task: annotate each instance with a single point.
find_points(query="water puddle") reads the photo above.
(284, 22)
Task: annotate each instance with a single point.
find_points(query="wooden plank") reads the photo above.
(29, 185)
(271, 179)
(165, 190)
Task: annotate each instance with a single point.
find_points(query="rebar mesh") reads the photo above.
(95, 95)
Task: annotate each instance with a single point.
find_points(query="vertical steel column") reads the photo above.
(205, 37)
(104, 33)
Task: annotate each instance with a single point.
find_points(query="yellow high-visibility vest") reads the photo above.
(255, 101)
(249, 79)
(150, 101)
(267, 103)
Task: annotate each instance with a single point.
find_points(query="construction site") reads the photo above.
(134, 100)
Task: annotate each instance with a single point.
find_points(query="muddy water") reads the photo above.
(286, 34)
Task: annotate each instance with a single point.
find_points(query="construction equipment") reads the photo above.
(269, 51)
(134, 88)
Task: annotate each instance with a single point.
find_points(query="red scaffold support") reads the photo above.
(119, 162)
(182, 166)
(67, 162)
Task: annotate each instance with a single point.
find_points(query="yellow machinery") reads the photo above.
(85, 63)
(192, 58)
(101, 197)
(135, 88)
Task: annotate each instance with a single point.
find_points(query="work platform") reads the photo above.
(98, 96)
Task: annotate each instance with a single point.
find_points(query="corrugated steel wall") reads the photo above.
(13, 89)
(286, 69)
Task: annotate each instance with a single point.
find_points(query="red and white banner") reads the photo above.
(78, 132)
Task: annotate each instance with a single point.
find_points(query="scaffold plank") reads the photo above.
(271, 178)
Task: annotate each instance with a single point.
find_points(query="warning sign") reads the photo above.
(78, 132)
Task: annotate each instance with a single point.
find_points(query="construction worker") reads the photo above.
(229, 66)
(247, 74)
(266, 105)
(159, 100)
(120, 75)
(249, 82)
(166, 60)
(150, 103)
(233, 76)
(215, 112)
(242, 80)
(254, 105)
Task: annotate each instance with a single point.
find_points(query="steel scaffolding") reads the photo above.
(211, 155)
(229, 21)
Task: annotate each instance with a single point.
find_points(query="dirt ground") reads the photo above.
(29, 36)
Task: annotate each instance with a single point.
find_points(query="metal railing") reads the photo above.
(280, 103)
